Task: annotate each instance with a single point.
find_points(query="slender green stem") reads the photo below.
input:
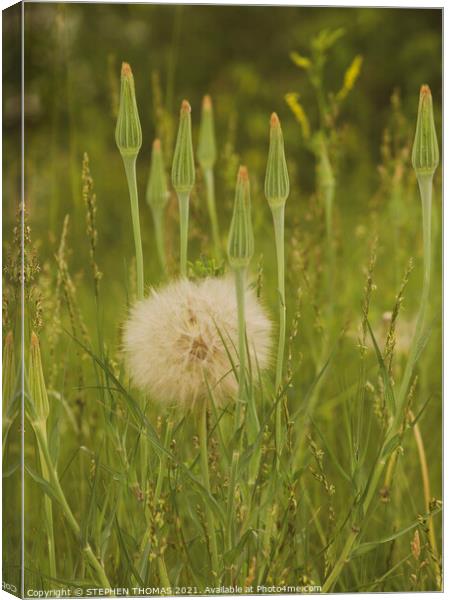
(163, 574)
(330, 581)
(130, 169)
(163, 462)
(230, 534)
(210, 521)
(159, 233)
(328, 191)
(425, 187)
(240, 279)
(59, 493)
(210, 188)
(183, 200)
(49, 518)
(278, 220)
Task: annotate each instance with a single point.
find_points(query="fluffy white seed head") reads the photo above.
(172, 340)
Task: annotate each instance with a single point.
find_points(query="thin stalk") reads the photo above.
(240, 278)
(425, 187)
(163, 574)
(330, 581)
(147, 542)
(427, 497)
(210, 521)
(230, 507)
(183, 200)
(210, 189)
(163, 462)
(48, 517)
(328, 192)
(130, 169)
(159, 233)
(278, 220)
(59, 493)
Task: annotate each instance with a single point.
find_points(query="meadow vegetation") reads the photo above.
(319, 467)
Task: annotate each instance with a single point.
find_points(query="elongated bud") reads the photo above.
(40, 408)
(128, 133)
(183, 169)
(277, 185)
(241, 236)
(157, 193)
(207, 151)
(425, 155)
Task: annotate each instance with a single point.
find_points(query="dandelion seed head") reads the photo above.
(181, 336)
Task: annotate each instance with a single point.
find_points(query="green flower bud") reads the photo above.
(425, 155)
(40, 408)
(207, 151)
(277, 185)
(157, 193)
(183, 169)
(128, 133)
(241, 236)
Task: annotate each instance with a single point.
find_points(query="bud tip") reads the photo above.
(207, 102)
(243, 174)
(425, 90)
(185, 107)
(274, 121)
(126, 70)
(157, 144)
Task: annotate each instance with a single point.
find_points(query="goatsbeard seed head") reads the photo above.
(173, 345)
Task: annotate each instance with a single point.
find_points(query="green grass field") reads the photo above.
(322, 470)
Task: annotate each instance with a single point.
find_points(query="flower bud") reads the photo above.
(207, 151)
(183, 169)
(241, 237)
(38, 392)
(128, 133)
(277, 185)
(157, 193)
(425, 155)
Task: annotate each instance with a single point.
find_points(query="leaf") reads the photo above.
(125, 553)
(45, 485)
(391, 445)
(368, 546)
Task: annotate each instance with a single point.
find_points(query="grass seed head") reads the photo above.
(425, 154)
(183, 168)
(241, 236)
(128, 132)
(277, 185)
(183, 334)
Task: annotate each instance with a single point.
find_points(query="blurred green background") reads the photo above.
(240, 55)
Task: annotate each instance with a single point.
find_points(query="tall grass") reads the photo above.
(280, 485)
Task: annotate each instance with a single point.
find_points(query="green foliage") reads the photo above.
(160, 496)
